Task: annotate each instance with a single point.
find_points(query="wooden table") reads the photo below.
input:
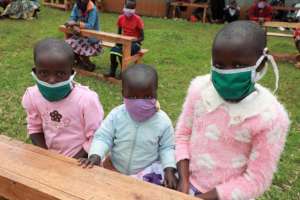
(31, 173)
(191, 5)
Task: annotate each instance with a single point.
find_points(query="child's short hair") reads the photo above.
(249, 35)
(53, 46)
(140, 73)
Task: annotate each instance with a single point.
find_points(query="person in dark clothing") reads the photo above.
(217, 9)
(231, 12)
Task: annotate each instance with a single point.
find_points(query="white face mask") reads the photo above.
(128, 12)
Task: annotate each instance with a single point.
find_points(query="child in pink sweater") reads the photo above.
(232, 130)
(62, 115)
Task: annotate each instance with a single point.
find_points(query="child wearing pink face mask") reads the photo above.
(138, 135)
(260, 12)
(129, 24)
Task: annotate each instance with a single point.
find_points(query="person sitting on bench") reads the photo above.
(138, 135)
(84, 16)
(62, 115)
(20, 9)
(232, 12)
(261, 11)
(198, 12)
(129, 24)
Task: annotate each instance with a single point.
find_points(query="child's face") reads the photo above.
(232, 58)
(53, 70)
(137, 92)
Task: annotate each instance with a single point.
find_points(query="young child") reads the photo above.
(261, 11)
(129, 24)
(297, 44)
(139, 137)
(61, 115)
(84, 16)
(232, 12)
(232, 130)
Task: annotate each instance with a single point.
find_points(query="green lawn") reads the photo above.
(179, 50)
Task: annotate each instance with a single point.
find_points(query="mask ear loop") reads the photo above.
(275, 68)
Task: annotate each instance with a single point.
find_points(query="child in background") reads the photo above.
(84, 16)
(61, 115)
(232, 130)
(297, 44)
(129, 24)
(232, 12)
(261, 11)
(139, 136)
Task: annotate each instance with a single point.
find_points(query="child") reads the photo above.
(20, 9)
(129, 24)
(84, 16)
(217, 9)
(139, 137)
(297, 44)
(261, 11)
(232, 130)
(61, 115)
(231, 12)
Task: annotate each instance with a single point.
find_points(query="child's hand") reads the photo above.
(90, 162)
(183, 186)
(76, 30)
(70, 23)
(170, 178)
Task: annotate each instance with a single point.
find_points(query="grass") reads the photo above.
(179, 50)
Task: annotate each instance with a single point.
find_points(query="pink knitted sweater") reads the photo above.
(233, 147)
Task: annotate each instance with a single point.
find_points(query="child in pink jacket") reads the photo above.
(232, 130)
(62, 115)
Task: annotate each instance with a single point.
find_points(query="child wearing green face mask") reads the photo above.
(62, 115)
(232, 130)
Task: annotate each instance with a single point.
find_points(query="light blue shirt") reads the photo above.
(133, 145)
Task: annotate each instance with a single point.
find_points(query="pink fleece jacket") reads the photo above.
(233, 147)
(69, 124)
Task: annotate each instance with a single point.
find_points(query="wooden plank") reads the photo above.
(279, 34)
(109, 37)
(191, 5)
(31, 173)
(275, 24)
(284, 8)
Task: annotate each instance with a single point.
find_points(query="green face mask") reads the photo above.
(54, 92)
(236, 84)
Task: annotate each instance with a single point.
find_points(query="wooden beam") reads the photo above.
(31, 173)
(279, 34)
(108, 37)
(274, 24)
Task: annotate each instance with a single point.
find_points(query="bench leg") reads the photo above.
(126, 55)
(204, 16)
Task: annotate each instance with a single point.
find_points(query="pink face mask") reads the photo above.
(140, 110)
(262, 4)
(128, 12)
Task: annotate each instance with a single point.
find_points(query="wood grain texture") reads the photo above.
(31, 173)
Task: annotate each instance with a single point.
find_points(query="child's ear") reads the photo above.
(34, 69)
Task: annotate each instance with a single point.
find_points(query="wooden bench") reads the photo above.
(275, 24)
(191, 5)
(61, 4)
(109, 40)
(284, 8)
(31, 173)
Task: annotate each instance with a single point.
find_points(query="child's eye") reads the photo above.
(43, 73)
(60, 74)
